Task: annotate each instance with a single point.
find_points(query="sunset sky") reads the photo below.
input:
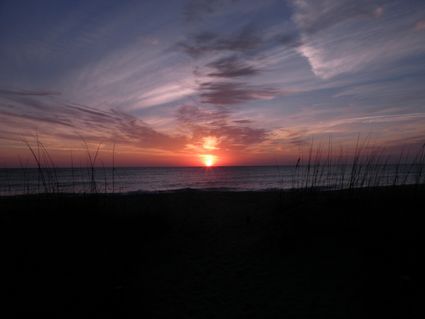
(184, 82)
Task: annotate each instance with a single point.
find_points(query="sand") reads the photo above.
(194, 254)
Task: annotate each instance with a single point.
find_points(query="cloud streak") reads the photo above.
(345, 36)
(28, 92)
(94, 124)
(203, 43)
(231, 67)
(215, 124)
(315, 16)
(227, 93)
(174, 77)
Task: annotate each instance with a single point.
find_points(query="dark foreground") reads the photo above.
(190, 254)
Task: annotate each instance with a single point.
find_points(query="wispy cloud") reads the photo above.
(208, 42)
(234, 55)
(344, 36)
(230, 67)
(28, 92)
(218, 75)
(315, 16)
(164, 94)
(225, 93)
(196, 9)
(215, 124)
(49, 116)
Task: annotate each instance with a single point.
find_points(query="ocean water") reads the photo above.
(105, 180)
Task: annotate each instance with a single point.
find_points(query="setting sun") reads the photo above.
(209, 160)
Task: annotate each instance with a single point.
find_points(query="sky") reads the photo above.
(185, 82)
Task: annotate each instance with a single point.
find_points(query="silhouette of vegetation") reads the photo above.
(320, 167)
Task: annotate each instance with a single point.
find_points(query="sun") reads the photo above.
(209, 160)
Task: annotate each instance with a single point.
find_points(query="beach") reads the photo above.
(212, 159)
(216, 254)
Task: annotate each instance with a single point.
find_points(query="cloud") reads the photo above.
(378, 119)
(420, 25)
(325, 66)
(214, 125)
(210, 143)
(242, 121)
(225, 93)
(130, 86)
(242, 137)
(164, 94)
(378, 11)
(196, 9)
(289, 39)
(37, 118)
(236, 55)
(224, 57)
(299, 131)
(290, 136)
(28, 92)
(208, 42)
(190, 115)
(230, 67)
(345, 36)
(54, 117)
(313, 16)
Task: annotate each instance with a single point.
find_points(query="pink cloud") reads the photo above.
(420, 25)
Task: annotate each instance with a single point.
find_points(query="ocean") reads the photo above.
(14, 181)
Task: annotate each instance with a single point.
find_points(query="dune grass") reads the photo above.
(322, 166)
(366, 166)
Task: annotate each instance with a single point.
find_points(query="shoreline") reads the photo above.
(315, 189)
